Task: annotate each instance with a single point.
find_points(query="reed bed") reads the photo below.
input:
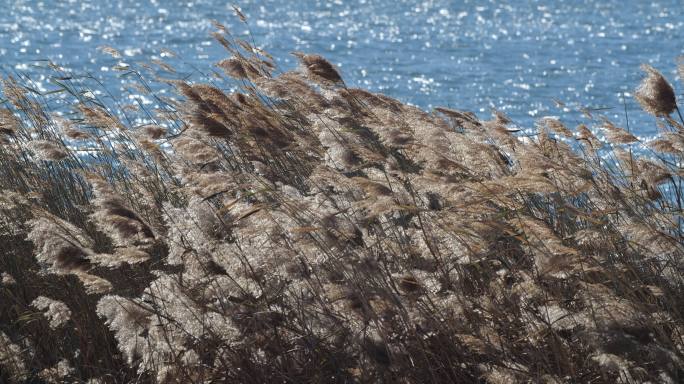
(298, 230)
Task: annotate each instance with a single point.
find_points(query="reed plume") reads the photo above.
(319, 69)
(55, 311)
(655, 93)
(617, 135)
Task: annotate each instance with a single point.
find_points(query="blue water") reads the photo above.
(511, 55)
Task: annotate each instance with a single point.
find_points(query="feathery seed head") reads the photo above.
(319, 69)
(655, 93)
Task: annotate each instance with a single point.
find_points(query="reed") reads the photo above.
(299, 230)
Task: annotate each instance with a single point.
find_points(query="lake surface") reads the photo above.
(515, 56)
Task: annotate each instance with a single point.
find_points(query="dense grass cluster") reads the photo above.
(299, 230)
